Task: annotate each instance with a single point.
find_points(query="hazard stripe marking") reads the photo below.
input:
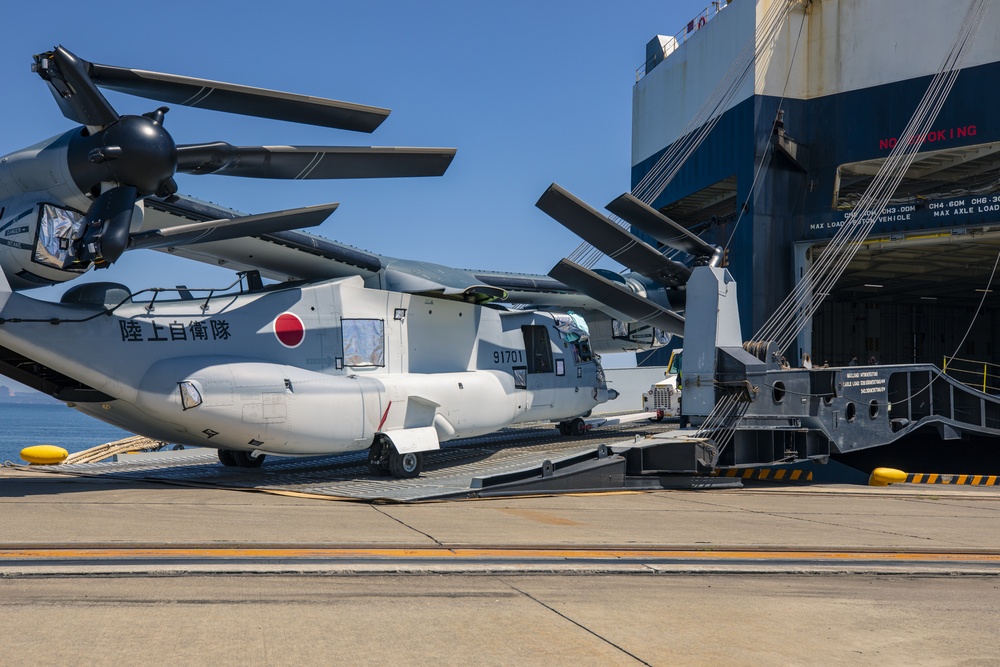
(779, 474)
(966, 480)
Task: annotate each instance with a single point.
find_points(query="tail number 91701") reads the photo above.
(508, 357)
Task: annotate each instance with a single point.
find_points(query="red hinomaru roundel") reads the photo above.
(289, 330)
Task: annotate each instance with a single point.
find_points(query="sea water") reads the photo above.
(26, 424)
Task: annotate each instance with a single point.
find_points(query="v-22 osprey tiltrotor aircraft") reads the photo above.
(357, 351)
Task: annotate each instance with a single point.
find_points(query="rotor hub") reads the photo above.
(134, 150)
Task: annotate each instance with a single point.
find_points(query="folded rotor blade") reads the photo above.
(230, 228)
(77, 96)
(609, 238)
(618, 298)
(312, 162)
(234, 98)
(659, 226)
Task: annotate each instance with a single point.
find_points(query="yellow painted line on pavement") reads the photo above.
(63, 553)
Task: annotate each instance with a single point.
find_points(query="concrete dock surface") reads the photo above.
(98, 570)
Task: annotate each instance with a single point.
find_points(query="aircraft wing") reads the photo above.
(282, 255)
(297, 255)
(231, 228)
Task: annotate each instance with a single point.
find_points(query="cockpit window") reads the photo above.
(675, 364)
(57, 229)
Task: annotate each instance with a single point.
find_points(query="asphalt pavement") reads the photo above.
(94, 571)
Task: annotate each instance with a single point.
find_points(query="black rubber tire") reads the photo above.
(577, 427)
(227, 457)
(244, 460)
(405, 466)
(376, 461)
(564, 428)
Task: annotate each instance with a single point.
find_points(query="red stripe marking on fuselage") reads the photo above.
(384, 416)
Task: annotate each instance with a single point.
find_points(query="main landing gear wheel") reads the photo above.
(378, 463)
(245, 460)
(227, 457)
(405, 466)
(573, 427)
(383, 459)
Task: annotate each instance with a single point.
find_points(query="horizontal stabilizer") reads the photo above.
(659, 226)
(618, 298)
(234, 98)
(614, 241)
(230, 228)
(312, 162)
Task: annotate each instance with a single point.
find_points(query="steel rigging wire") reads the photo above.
(797, 309)
(701, 124)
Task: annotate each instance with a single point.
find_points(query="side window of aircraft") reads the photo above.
(538, 348)
(520, 377)
(364, 342)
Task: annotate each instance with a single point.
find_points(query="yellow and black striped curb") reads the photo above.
(769, 474)
(886, 476)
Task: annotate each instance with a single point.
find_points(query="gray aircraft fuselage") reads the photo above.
(311, 369)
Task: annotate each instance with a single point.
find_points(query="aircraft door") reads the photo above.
(541, 376)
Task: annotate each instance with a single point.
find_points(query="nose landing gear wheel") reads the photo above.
(227, 457)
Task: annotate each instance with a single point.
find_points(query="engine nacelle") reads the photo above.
(43, 213)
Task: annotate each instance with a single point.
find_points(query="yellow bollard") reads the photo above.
(886, 476)
(44, 454)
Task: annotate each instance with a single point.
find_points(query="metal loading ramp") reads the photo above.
(797, 416)
(814, 414)
(471, 467)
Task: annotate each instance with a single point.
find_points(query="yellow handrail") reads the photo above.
(983, 384)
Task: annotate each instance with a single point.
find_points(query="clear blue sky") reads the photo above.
(528, 92)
